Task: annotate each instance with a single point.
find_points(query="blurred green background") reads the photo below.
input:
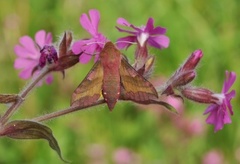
(130, 133)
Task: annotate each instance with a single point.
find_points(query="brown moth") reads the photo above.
(112, 78)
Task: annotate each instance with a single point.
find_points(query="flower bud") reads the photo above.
(147, 68)
(66, 62)
(184, 78)
(177, 80)
(200, 95)
(192, 61)
(65, 44)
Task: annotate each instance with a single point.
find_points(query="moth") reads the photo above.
(112, 78)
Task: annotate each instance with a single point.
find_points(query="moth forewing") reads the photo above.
(90, 89)
(135, 86)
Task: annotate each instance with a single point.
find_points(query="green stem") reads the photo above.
(64, 112)
(14, 107)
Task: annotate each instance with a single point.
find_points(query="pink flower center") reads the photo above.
(220, 97)
(142, 38)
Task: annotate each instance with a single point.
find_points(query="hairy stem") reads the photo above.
(14, 107)
(64, 112)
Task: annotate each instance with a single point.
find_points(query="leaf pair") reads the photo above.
(112, 78)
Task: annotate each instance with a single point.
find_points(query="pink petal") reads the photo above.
(230, 79)
(127, 31)
(77, 46)
(228, 101)
(85, 58)
(212, 117)
(227, 118)
(96, 58)
(24, 63)
(90, 49)
(210, 108)
(123, 22)
(219, 121)
(26, 73)
(29, 45)
(88, 54)
(84, 45)
(90, 25)
(216, 118)
(125, 42)
(95, 18)
(158, 31)
(25, 53)
(49, 79)
(149, 26)
(160, 42)
(40, 38)
(48, 39)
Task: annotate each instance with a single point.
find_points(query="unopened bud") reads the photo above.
(66, 62)
(65, 44)
(149, 63)
(200, 95)
(184, 78)
(192, 61)
(146, 66)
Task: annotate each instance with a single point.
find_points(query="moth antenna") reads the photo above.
(94, 43)
(125, 42)
(90, 43)
(90, 53)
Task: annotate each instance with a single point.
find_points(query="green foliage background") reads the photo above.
(210, 25)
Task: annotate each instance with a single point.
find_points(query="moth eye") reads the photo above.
(118, 93)
(104, 93)
(105, 99)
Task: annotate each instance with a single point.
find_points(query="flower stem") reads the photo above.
(64, 112)
(14, 107)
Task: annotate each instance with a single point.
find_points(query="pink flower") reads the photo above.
(220, 111)
(145, 34)
(213, 157)
(125, 156)
(93, 45)
(28, 54)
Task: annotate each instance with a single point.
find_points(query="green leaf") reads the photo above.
(23, 129)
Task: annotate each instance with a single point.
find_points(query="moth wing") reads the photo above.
(134, 86)
(90, 89)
